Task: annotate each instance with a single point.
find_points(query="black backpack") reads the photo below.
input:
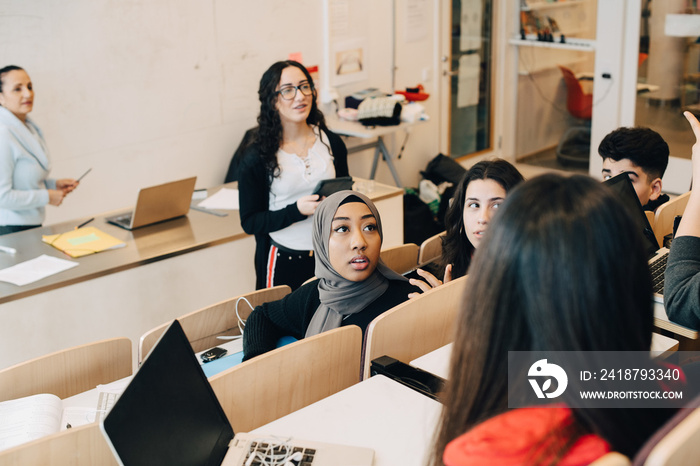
(419, 223)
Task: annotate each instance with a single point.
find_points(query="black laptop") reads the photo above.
(622, 185)
(170, 415)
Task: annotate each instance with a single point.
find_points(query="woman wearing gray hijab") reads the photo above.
(353, 285)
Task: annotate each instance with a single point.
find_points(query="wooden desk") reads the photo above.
(641, 87)
(661, 321)
(438, 362)
(165, 271)
(357, 130)
(395, 421)
(378, 413)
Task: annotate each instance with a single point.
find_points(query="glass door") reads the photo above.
(669, 81)
(555, 44)
(468, 71)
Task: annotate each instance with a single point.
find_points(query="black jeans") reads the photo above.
(7, 229)
(288, 267)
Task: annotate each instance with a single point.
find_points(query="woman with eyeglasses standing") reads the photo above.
(292, 151)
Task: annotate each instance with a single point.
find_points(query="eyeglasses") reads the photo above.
(290, 92)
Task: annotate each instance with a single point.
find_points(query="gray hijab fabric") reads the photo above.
(341, 297)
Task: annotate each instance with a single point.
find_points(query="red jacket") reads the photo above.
(519, 437)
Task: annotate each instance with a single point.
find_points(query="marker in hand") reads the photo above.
(83, 175)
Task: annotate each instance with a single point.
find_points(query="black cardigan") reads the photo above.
(254, 188)
(291, 315)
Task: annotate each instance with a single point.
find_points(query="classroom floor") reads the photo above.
(664, 118)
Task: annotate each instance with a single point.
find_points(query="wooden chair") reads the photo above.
(676, 442)
(68, 372)
(666, 213)
(612, 459)
(430, 249)
(651, 217)
(289, 378)
(415, 327)
(402, 258)
(203, 326)
(79, 446)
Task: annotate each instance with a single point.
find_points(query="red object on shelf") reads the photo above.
(414, 94)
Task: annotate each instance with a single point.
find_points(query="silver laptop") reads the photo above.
(622, 185)
(157, 204)
(169, 414)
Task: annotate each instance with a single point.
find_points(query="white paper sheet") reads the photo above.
(470, 22)
(225, 198)
(468, 85)
(35, 269)
(416, 26)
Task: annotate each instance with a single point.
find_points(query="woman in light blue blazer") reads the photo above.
(25, 188)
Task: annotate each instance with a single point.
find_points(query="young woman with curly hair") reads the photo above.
(292, 151)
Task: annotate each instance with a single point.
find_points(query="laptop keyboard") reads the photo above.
(275, 453)
(658, 269)
(105, 401)
(122, 219)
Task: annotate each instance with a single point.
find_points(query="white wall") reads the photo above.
(147, 91)
(417, 62)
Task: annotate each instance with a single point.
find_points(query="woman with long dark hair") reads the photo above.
(563, 268)
(293, 150)
(479, 194)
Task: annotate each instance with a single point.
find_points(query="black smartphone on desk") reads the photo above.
(214, 353)
(419, 380)
(325, 188)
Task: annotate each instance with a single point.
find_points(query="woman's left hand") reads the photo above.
(430, 282)
(67, 184)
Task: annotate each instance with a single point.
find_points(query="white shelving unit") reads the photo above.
(575, 20)
(581, 45)
(532, 6)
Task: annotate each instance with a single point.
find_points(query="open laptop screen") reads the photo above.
(169, 414)
(622, 185)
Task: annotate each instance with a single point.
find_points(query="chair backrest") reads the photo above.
(579, 104)
(79, 446)
(286, 379)
(68, 372)
(415, 327)
(612, 459)
(402, 258)
(666, 213)
(676, 442)
(651, 218)
(203, 326)
(430, 249)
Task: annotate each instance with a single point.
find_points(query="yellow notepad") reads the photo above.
(83, 241)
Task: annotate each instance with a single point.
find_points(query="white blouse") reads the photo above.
(298, 177)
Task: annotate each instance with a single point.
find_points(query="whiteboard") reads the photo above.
(148, 91)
